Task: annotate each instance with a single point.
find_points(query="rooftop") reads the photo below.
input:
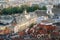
(56, 11)
(5, 19)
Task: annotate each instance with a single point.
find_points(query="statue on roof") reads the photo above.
(26, 14)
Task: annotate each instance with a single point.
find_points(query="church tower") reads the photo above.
(26, 14)
(49, 8)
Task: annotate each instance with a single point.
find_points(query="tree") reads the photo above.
(31, 25)
(7, 11)
(4, 11)
(14, 10)
(44, 8)
(30, 9)
(35, 7)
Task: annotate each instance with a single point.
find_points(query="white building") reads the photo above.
(13, 3)
(52, 1)
(24, 20)
(3, 3)
(26, 2)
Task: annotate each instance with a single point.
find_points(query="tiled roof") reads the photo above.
(56, 11)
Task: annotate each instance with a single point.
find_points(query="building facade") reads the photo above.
(3, 3)
(13, 3)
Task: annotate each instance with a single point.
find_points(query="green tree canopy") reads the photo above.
(14, 10)
(44, 8)
(6, 11)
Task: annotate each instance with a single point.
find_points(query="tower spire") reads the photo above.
(25, 12)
